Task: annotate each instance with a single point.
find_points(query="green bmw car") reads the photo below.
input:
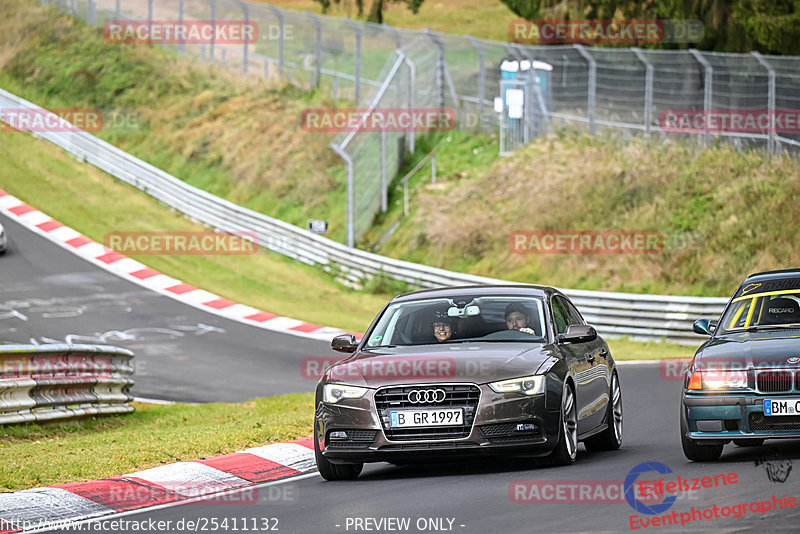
(743, 384)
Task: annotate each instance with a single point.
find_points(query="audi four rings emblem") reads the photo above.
(423, 396)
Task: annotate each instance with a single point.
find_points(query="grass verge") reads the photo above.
(35, 455)
(94, 203)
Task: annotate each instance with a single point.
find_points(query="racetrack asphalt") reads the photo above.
(48, 295)
(475, 494)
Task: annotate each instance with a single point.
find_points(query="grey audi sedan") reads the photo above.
(458, 372)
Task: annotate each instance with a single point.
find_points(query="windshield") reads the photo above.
(762, 306)
(459, 320)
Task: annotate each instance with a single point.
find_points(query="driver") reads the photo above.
(442, 326)
(517, 318)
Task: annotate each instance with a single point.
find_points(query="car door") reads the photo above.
(598, 376)
(576, 357)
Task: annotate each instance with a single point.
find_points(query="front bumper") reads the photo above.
(722, 418)
(493, 430)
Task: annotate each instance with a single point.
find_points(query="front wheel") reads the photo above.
(567, 447)
(693, 449)
(331, 471)
(609, 439)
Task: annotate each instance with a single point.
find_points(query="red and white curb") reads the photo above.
(201, 481)
(139, 273)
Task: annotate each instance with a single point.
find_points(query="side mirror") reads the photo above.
(578, 333)
(344, 343)
(704, 327)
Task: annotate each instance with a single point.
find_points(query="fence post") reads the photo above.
(317, 49)
(412, 86)
(481, 79)
(537, 91)
(708, 89)
(213, 8)
(770, 101)
(648, 89)
(398, 41)
(91, 13)
(279, 16)
(182, 43)
(246, 46)
(357, 81)
(439, 66)
(592, 90)
(348, 161)
(384, 180)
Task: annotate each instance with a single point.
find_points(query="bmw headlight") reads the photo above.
(526, 385)
(716, 380)
(333, 393)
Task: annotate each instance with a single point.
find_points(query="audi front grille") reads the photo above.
(464, 396)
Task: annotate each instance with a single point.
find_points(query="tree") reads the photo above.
(376, 11)
(769, 26)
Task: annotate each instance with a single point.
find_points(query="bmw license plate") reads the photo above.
(781, 406)
(406, 418)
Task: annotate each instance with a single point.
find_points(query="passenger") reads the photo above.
(517, 318)
(442, 326)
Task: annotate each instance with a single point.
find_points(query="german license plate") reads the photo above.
(410, 418)
(781, 406)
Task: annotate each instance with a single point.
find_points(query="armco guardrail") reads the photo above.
(652, 317)
(47, 382)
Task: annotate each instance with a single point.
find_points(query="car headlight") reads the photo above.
(333, 393)
(718, 380)
(526, 385)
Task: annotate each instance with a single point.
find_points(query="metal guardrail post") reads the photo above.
(117, 9)
(246, 46)
(708, 89)
(317, 49)
(771, 141)
(481, 79)
(350, 216)
(648, 89)
(279, 16)
(592, 90)
(357, 75)
(384, 180)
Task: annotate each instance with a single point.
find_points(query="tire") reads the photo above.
(609, 439)
(749, 442)
(331, 471)
(695, 451)
(567, 447)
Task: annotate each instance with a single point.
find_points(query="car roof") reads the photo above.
(773, 275)
(458, 291)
